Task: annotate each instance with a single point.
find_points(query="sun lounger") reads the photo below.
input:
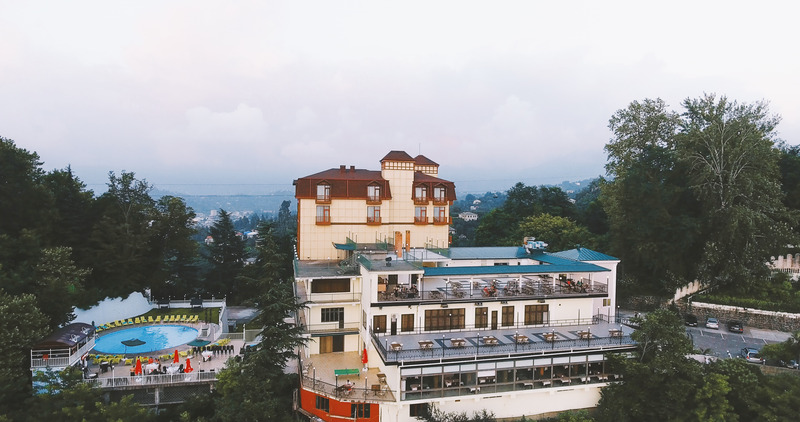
(158, 318)
(137, 320)
(150, 319)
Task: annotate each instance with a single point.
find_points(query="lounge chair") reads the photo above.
(184, 318)
(184, 354)
(158, 318)
(130, 321)
(150, 319)
(194, 318)
(137, 320)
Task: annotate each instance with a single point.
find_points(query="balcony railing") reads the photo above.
(440, 201)
(374, 220)
(421, 220)
(323, 220)
(527, 291)
(57, 358)
(441, 220)
(378, 393)
(323, 199)
(153, 380)
(373, 199)
(332, 327)
(421, 201)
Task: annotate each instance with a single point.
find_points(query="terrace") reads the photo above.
(319, 374)
(439, 289)
(589, 334)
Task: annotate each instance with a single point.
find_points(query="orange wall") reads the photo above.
(308, 401)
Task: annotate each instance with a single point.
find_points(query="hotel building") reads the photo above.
(397, 321)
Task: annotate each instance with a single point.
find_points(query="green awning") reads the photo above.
(345, 246)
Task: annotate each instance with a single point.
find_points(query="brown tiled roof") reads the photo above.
(424, 161)
(397, 156)
(345, 182)
(431, 182)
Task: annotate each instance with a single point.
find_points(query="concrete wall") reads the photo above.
(780, 321)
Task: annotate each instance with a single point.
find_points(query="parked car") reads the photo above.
(690, 320)
(792, 364)
(751, 355)
(712, 322)
(735, 327)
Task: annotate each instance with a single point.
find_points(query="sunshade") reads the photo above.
(133, 342)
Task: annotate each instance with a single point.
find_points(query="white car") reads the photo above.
(712, 323)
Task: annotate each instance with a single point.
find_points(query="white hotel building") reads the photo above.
(397, 321)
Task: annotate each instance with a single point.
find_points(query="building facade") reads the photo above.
(396, 327)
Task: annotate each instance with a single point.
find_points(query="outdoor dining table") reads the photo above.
(207, 354)
(396, 346)
(550, 336)
(457, 342)
(425, 344)
(172, 369)
(520, 339)
(614, 332)
(490, 340)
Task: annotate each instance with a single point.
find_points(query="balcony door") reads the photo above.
(331, 344)
(494, 320)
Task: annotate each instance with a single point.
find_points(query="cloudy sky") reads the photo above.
(258, 93)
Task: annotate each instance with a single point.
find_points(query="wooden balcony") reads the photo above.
(373, 200)
(324, 199)
(373, 221)
(323, 220)
(441, 220)
(421, 201)
(420, 221)
(440, 201)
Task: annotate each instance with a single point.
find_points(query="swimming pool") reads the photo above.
(155, 337)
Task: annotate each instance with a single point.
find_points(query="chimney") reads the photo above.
(353, 168)
(342, 168)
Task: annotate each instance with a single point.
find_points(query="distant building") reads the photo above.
(468, 216)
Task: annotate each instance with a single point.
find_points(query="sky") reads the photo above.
(246, 96)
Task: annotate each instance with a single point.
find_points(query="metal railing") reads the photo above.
(477, 349)
(153, 380)
(355, 394)
(441, 294)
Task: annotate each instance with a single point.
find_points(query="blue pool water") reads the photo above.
(156, 337)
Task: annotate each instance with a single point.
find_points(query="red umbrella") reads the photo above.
(149, 360)
(188, 367)
(364, 357)
(176, 359)
(138, 369)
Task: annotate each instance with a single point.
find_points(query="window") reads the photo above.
(323, 404)
(440, 214)
(481, 317)
(444, 319)
(323, 192)
(374, 215)
(379, 323)
(364, 319)
(330, 285)
(359, 410)
(374, 193)
(508, 316)
(331, 344)
(407, 322)
(419, 410)
(323, 214)
(421, 214)
(421, 194)
(332, 314)
(606, 302)
(535, 314)
(439, 195)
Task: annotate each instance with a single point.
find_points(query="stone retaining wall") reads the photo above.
(770, 320)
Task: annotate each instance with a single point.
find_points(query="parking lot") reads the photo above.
(721, 342)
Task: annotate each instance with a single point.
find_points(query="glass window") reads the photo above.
(508, 316)
(330, 285)
(407, 322)
(535, 314)
(439, 194)
(359, 410)
(323, 213)
(332, 314)
(373, 193)
(323, 192)
(373, 214)
(481, 317)
(444, 319)
(421, 192)
(323, 404)
(379, 323)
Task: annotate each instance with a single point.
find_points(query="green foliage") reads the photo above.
(171, 241)
(437, 415)
(226, 254)
(21, 325)
(57, 284)
(561, 233)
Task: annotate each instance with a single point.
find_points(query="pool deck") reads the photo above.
(217, 361)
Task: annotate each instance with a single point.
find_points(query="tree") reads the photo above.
(73, 218)
(226, 254)
(789, 165)
(25, 203)
(730, 153)
(653, 218)
(123, 259)
(560, 233)
(174, 248)
(57, 284)
(21, 326)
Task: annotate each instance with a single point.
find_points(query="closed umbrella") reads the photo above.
(138, 369)
(188, 366)
(176, 359)
(364, 358)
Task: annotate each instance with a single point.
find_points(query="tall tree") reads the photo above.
(226, 254)
(21, 326)
(730, 152)
(174, 248)
(560, 233)
(73, 213)
(653, 218)
(58, 284)
(120, 239)
(24, 202)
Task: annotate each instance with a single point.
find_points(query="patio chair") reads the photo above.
(158, 318)
(195, 318)
(150, 319)
(184, 318)
(130, 321)
(137, 320)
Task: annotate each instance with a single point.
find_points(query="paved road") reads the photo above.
(721, 342)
